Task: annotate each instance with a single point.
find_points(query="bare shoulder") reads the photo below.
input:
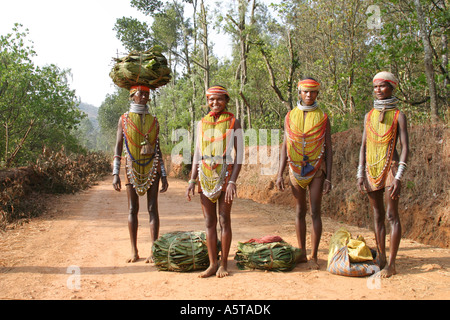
(120, 124)
(402, 115)
(402, 118)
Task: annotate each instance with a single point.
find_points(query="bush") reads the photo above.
(21, 189)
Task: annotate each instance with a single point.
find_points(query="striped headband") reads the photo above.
(135, 89)
(309, 85)
(386, 76)
(217, 90)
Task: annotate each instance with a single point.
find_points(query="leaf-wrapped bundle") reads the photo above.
(147, 68)
(274, 256)
(181, 251)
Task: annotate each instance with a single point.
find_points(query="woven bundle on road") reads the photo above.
(181, 251)
(267, 253)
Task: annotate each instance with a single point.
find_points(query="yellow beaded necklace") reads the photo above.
(141, 168)
(380, 144)
(216, 140)
(305, 138)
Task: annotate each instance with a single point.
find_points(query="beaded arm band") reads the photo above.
(401, 170)
(360, 173)
(116, 165)
(163, 169)
(194, 181)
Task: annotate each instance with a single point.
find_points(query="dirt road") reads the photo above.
(87, 234)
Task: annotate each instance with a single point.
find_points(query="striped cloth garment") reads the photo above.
(340, 265)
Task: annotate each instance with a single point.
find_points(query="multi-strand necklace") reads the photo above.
(216, 141)
(141, 167)
(305, 142)
(381, 131)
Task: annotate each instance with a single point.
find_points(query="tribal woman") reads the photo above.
(307, 150)
(137, 131)
(216, 173)
(380, 166)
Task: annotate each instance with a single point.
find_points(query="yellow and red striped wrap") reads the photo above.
(305, 136)
(141, 169)
(380, 144)
(309, 85)
(217, 90)
(217, 138)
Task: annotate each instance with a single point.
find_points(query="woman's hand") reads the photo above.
(395, 189)
(280, 183)
(116, 183)
(327, 186)
(360, 185)
(230, 193)
(190, 188)
(165, 184)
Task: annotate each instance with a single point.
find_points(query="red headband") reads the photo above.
(139, 88)
(386, 76)
(386, 80)
(309, 85)
(217, 90)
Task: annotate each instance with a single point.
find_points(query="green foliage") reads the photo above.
(109, 114)
(37, 107)
(148, 7)
(22, 190)
(397, 46)
(133, 34)
(330, 41)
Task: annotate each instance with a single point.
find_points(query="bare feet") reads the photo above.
(222, 272)
(212, 269)
(382, 261)
(133, 258)
(313, 264)
(302, 258)
(149, 260)
(387, 272)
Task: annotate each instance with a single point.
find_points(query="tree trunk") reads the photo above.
(10, 159)
(241, 72)
(205, 45)
(286, 103)
(6, 141)
(429, 69)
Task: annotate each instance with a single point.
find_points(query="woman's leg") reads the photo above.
(315, 200)
(379, 215)
(396, 234)
(133, 210)
(209, 213)
(226, 234)
(152, 206)
(300, 218)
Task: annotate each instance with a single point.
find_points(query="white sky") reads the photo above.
(76, 35)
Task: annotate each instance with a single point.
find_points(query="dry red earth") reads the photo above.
(88, 230)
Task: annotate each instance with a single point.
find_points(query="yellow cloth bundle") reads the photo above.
(358, 251)
(350, 257)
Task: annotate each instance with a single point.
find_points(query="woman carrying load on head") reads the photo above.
(381, 168)
(307, 149)
(218, 134)
(138, 131)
